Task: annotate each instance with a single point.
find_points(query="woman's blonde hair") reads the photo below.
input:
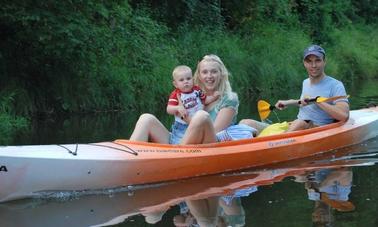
(224, 87)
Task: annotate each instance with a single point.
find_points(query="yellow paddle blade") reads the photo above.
(324, 99)
(263, 108)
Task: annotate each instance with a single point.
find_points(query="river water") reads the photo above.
(291, 194)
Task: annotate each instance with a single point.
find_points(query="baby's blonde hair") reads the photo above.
(224, 87)
(180, 69)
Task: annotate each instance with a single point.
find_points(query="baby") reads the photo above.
(184, 101)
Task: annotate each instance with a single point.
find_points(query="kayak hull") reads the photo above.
(26, 171)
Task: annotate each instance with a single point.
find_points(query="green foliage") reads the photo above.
(318, 18)
(277, 11)
(354, 53)
(85, 56)
(367, 10)
(55, 50)
(10, 124)
(149, 64)
(174, 13)
(249, 16)
(277, 60)
(81, 56)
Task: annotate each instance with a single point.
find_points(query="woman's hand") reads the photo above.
(216, 94)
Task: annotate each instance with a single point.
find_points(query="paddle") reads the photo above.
(264, 108)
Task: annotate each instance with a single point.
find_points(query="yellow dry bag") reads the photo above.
(273, 129)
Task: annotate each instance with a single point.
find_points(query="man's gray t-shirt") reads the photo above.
(327, 87)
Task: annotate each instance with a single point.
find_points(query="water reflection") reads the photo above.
(221, 211)
(363, 93)
(329, 189)
(218, 200)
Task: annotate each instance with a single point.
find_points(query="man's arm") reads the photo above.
(339, 111)
(282, 104)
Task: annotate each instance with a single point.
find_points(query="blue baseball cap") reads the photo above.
(314, 50)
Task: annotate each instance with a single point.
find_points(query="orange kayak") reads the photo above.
(26, 171)
(166, 162)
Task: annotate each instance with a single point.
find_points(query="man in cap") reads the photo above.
(318, 84)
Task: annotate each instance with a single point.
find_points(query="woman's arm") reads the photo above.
(224, 119)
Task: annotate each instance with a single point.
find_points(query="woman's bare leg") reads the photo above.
(149, 128)
(205, 211)
(299, 125)
(258, 125)
(234, 208)
(200, 130)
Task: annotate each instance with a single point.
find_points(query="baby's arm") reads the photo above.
(209, 99)
(183, 112)
(177, 109)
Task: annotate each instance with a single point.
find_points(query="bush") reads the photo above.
(354, 53)
(276, 55)
(10, 124)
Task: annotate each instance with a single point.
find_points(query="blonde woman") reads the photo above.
(217, 123)
(211, 76)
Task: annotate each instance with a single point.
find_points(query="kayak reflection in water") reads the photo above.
(330, 189)
(220, 211)
(153, 217)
